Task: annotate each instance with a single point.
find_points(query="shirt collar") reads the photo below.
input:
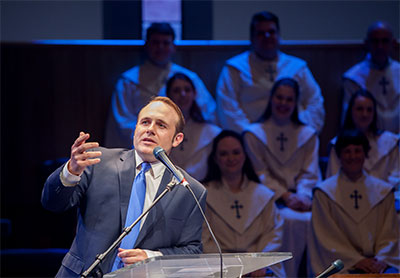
(157, 168)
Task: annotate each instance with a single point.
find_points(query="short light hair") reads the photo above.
(181, 120)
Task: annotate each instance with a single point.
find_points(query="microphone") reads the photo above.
(161, 155)
(336, 266)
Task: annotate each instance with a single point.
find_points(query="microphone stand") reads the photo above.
(126, 231)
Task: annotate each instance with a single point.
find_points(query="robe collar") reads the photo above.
(248, 204)
(282, 141)
(356, 198)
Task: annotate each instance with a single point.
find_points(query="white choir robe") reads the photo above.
(383, 84)
(135, 88)
(294, 167)
(349, 228)
(192, 154)
(382, 161)
(246, 221)
(245, 83)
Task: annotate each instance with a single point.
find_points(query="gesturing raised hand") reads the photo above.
(80, 157)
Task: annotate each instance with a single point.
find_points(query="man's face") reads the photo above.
(265, 39)
(380, 44)
(352, 159)
(156, 126)
(160, 49)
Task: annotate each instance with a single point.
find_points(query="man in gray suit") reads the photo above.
(99, 181)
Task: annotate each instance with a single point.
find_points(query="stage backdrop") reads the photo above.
(50, 92)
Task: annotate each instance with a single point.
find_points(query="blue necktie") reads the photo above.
(135, 209)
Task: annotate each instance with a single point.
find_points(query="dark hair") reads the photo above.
(260, 17)
(163, 28)
(348, 120)
(283, 82)
(195, 112)
(351, 137)
(213, 171)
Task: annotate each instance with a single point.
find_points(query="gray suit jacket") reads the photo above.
(173, 226)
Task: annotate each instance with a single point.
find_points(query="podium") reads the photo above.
(200, 265)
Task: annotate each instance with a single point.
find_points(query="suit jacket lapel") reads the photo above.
(158, 210)
(127, 172)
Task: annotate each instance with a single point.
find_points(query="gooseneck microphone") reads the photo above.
(335, 267)
(160, 154)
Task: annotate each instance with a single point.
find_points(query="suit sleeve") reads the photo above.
(57, 197)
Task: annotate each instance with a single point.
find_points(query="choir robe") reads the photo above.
(383, 84)
(193, 152)
(286, 159)
(135, 88)
(382, 161)
(246, 221)
(352, 228)
(245, 83)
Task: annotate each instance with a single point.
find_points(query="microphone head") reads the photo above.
(338, 264)
(157, 151)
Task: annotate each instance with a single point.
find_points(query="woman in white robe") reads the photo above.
(284, 153)
(241, 211)
(353, 215)
(193, 152)
(383, 158)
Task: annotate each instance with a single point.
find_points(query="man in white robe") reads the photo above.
(246, 221)
(286, 160)
(245, 82)
(194, 150)
(138, 84)
(353, 216)
(378, 74)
